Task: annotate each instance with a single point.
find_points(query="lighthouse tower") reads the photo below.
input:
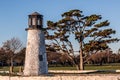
(35, 58)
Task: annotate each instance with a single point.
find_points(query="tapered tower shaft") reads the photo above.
(35, 58)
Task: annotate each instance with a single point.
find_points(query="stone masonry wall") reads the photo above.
(62, 77)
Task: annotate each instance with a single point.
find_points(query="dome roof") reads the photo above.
(36, 13)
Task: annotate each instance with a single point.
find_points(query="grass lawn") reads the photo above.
(6, 68)
(104, 67)
(115, 66)
(87, 67)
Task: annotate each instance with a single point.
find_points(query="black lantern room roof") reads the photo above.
(36, 14)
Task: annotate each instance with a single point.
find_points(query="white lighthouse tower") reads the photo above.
(35, 58)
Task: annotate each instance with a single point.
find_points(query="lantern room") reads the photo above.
(35, 21)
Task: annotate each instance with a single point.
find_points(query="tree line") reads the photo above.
(56, 58)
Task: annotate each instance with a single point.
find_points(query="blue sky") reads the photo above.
(14, 14)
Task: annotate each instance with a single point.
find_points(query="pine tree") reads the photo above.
(90, 32)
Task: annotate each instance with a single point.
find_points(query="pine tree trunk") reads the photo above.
(81, 57)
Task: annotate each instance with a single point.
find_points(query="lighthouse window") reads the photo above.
(38, 21)
(40, 57)
(33, 21)
(29, 21)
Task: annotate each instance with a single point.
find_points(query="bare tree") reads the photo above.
(12, 46)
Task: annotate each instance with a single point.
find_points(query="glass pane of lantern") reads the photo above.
(33, 21)
(29, 21)
(38, 22)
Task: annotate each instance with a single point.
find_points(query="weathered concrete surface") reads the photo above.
(35, 58)
(68, 77)
(82, 71)
(73, 71)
